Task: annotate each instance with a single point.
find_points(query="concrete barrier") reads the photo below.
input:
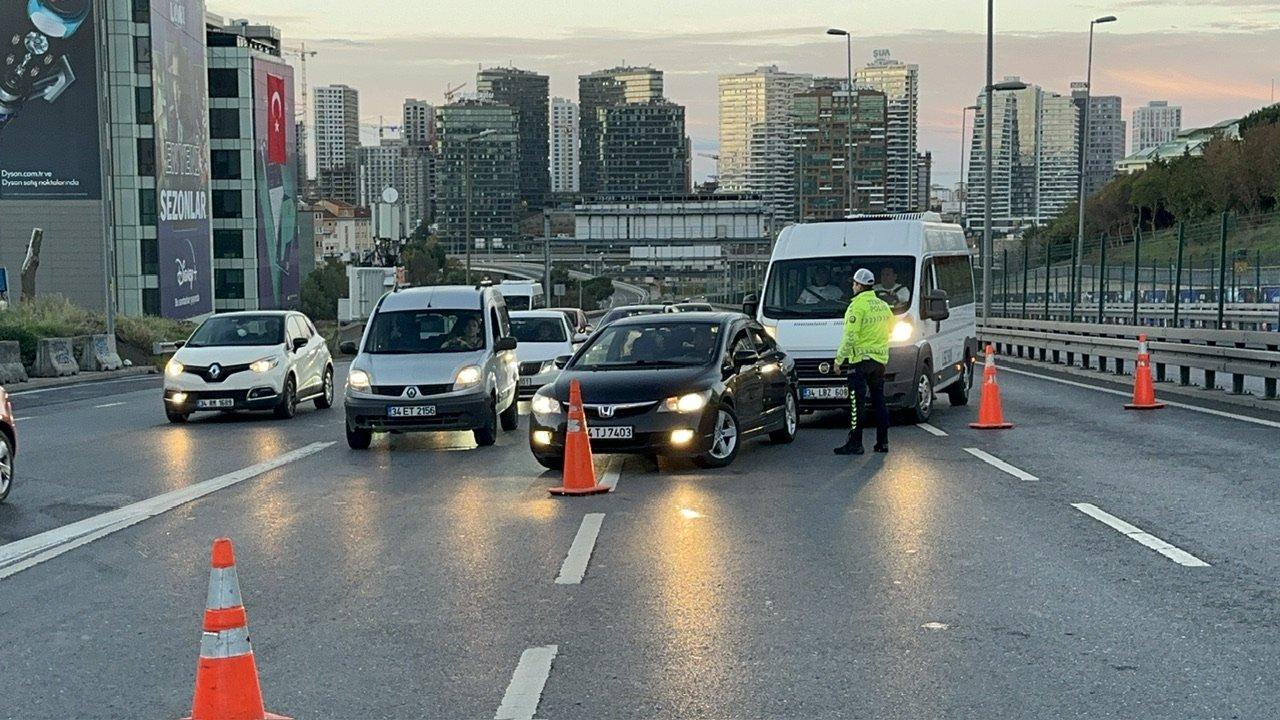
(96, 353)
(11, 368)
(55, 358)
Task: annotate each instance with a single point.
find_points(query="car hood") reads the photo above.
(631, 386)
(226, 354)
(418, 369)
(810, 335)
(538, 352)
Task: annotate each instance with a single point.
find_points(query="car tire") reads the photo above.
(6, 465)
(922, 397)
(177, 418)
(790, 423)
(958, 393)
(726, 440)
(487, 434)
(358, 439)
(550, 462)
(511, 416)
(288, 405)
(325, 400)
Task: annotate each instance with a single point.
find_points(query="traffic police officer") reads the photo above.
(867, 324)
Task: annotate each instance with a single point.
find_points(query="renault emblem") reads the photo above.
(607, 411)
(215, 370)
(824, 368)
(412, 392)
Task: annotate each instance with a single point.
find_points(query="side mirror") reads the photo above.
(742, 358)
(588, 330)
(299, 343)
(562, 361)
(348, 348)
(505, 344)
(178, 345)
(751, 305)
(581, 337)
(934, 306)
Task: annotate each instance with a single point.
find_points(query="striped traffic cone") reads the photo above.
(226, 676)
(991, 410)
(1144, 391)
(579, 470)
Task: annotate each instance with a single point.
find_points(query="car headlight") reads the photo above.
(691, 403)
(544, 405)
(174, 368)
(902, 332)
(359, 380)
(266, 364)
(467, 376)
(547, 366)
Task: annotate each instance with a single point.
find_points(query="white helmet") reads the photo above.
(864, 277)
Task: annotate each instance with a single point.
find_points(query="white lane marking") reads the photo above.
(575, 563)
(29, 552)
(936, 432)
(999, 464)
(1174, 553)
(612, 473)
(1170, 403)
(520, 702)
(19, 419)
(88, 384)
(107, 405)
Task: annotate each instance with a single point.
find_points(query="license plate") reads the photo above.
(835, 392)
(611, 432)
(411, 411)
(526, 382)
(214, 403)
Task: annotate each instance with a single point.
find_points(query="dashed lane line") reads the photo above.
(28, 552)
(1174, 553)
(999, 464)
(109, 405)
(90, 384)
(575, 563)
(520, 702)
(936, 432)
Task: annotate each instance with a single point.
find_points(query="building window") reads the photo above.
(142, 54)
(151, 301)
(226, 204)
(146, 157)
(228, 284)
(144, 105)
(225, 164)
(224, 83)
(228, 244)
(147, 206)
(142, 11)
(224, 123)
(149, 249)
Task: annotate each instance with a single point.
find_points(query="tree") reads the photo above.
(322, 289)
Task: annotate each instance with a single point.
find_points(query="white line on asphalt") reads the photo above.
(89, 384)
(525, 690)
(612, 473)
(1174, 553)
(29, 552)
(1170, 403)
(107, 405)
(20, 419)
(936, 432)
(575, 563)
(999, 464)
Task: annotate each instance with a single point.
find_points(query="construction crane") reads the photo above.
(302, 54)
(450, 92)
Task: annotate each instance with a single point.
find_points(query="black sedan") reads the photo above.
(686, 385)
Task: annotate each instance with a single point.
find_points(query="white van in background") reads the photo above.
(522, 294)
(925, 274)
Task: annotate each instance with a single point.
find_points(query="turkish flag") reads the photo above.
(277, 146)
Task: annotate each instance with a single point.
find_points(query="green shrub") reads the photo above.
(54, 316)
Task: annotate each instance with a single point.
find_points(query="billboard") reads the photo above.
(276, 178)
(49, 145)
(182, 157)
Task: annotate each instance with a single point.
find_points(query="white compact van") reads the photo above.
(522, 294)
(925, 273)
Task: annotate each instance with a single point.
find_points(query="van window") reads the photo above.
(426, 331)
(955, 276)
(822, 287)
(539, 330)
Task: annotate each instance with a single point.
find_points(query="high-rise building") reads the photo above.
(900, 82)
(643, 150)
(477, 178)
(1005, 152)
(394, 163)
(563, 148)
(757, 150)
(822, 141)
(924, 178)
(526, 92)
(597, 92)
(419, 123)
(1058, 161)
(337, 134)
(1106, 136)
(1155, 123)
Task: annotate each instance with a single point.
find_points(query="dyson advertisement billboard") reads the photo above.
(276, 178)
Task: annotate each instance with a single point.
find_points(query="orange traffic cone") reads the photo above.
(226, 676)
(579, 472)
(991, 411)
(1144, 392)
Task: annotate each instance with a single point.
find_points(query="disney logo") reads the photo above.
(186, 275)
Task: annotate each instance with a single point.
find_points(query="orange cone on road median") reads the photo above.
(226, 676)
(991, 411)
(1144, 391)
(579, 472)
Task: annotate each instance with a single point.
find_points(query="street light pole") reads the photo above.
(848, 143)
(1076, 274)
(986, 171)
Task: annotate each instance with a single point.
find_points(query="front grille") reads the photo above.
(620, 411)
(441, 420)
(530, 368)
(224, 371)
(808, 368)
(398, 390)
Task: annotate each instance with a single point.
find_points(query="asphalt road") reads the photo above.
(409, 581)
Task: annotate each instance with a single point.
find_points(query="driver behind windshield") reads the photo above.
(467, 335)
(821, 289)
(890, 290)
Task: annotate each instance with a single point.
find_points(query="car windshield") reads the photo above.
(660, 344)
(426, 331)
(538, 330)
(239, 330)
(822, 287)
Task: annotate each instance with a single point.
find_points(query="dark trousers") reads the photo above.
(868, 376)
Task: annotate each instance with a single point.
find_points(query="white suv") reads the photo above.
(249, 361)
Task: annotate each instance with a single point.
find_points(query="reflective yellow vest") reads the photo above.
(867, 325)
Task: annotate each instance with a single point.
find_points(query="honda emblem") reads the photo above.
(607, 411)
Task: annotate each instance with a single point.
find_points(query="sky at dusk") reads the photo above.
(1216, 58)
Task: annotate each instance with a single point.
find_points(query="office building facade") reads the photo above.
(823, 121)
(597, 92)
(418, 123)
(643, 150)
(337, 139)
(1154, 124)
(487, 168)
(526, 93)
(563, 155)
(395, 163)
(757, 150)
(1106, 136)
(900, 82)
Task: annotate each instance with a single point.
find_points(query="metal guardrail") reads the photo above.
(1244, 316)
(1239, 353)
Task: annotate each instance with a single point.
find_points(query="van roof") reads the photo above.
(865, 236)
(458, 297)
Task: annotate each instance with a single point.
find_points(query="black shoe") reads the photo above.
(882, 448)
(850, 448)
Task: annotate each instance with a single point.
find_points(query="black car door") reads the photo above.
(746, 381)
(773, 375)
